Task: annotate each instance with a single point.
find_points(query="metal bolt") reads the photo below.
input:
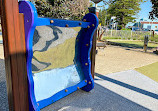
(66, 90)
(89, 82)
(78, 87)
(80, 23)
(93, 25)
(86, 64)
(87, 44)
(67, 25)
(88, 27)
(27, 20)
(85, 80)
(84, 20)
(51, 21)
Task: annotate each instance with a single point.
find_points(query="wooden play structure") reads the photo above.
(30, 89)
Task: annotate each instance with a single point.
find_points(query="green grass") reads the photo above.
(106, 38)
(137, 44)
(136, 37)
(150, 71)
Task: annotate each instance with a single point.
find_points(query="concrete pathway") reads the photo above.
(123, 91)
(99, 99)
(3, 89)
(133, 86)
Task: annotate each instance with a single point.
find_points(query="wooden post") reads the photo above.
(93, 50)
(146, 39)
(14, 52)
(153, 33)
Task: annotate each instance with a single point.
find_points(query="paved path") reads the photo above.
(132, 85)
(3, 90)
(123, 91)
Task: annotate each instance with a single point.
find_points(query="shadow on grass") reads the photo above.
(128, 45)
(155, 96)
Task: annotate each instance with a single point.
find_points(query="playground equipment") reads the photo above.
(21, 84)
(80, 69)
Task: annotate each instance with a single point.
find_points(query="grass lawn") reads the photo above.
(150, 70)
(137, 44)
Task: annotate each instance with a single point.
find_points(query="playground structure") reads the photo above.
(22, 96)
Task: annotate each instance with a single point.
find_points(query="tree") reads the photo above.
(102, 17)
(154, 12)
(107, 2)
(65, 9)
(123, 10)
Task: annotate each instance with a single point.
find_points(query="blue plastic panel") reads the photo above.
(53, 63)
(47, 82)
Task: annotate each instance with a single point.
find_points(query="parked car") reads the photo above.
(136, 29)
(145, 29)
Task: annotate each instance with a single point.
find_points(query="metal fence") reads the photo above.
(126, 34)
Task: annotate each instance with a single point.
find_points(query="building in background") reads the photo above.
(144, 24)
(149, 24)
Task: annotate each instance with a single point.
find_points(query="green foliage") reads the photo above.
(107, 38)
(102, 17)
(154, 12)
(123, 10)
(125, 29)
(65, 9)
(119, 27)
(128, 34)
(140, 37)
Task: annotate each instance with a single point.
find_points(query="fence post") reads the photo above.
(146, 39)
(14, 52)
(131, 35)
(111, 32)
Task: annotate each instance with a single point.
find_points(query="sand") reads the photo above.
(115, 59)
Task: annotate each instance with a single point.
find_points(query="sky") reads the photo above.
(144, 12)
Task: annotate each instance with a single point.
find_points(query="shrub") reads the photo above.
(65, 9)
